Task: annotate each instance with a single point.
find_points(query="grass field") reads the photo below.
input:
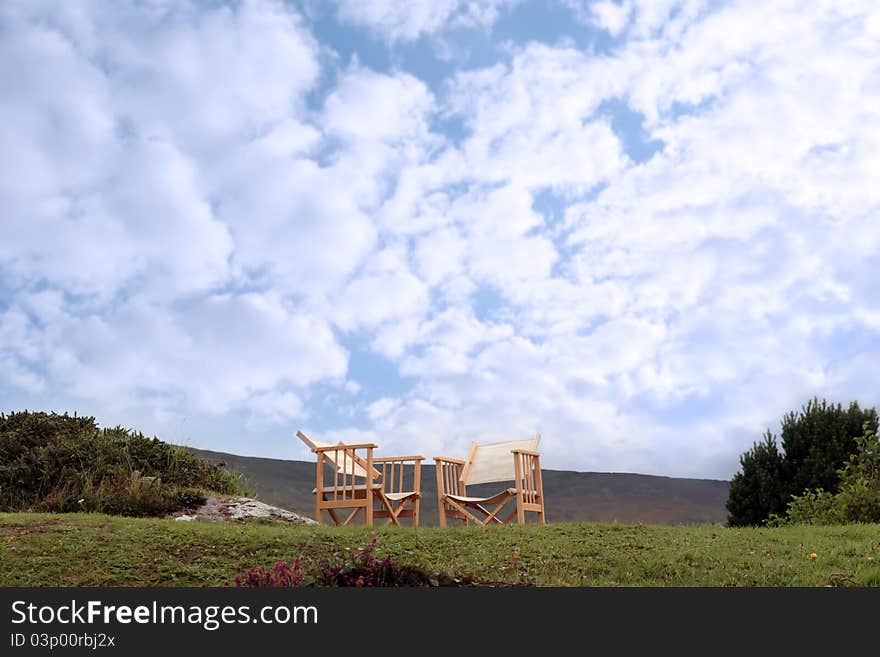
(98, 550)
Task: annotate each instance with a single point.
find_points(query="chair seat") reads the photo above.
(396, 497)
(330, 489)
(483, 500)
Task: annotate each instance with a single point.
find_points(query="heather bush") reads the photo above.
(281, 575)
(52, 462)
(361, 567)
(355, 568)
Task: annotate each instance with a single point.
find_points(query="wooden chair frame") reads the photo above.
(359, 485)
(398, 501)
(453, 501)
(345, 492)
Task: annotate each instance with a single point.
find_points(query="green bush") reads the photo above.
(858, 498)
(815, 444)
(818, 440)
(52, 462)
(814, 507)
(859, 501)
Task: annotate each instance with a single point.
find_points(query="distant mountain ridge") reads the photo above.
(570, 496)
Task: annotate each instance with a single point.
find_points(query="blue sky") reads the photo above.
(644, 228)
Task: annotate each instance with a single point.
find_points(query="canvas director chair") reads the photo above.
(516, 461)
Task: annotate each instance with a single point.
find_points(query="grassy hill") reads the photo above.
(99, 550)
(571, 496)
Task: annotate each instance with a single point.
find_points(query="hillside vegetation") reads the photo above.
(63, 463)
(100, 550)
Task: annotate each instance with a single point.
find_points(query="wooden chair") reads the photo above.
(358, 485)
(516, 460)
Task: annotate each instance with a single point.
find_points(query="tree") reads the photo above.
(816, 443)
(858, 499)
(759, 489)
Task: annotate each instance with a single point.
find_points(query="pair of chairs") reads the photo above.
(350, 478)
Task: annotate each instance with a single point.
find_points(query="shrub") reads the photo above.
(51, 462)
(280, 575)
(816, 443)
(813, 507)
(361, 568)
(348, 568)
(857, 500)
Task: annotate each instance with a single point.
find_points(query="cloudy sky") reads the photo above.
(644, 228)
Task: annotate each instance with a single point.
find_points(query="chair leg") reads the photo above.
(352, 515)
(415, 516)
(441, 506)
(467, 514)
(493, 516)
(392, 512)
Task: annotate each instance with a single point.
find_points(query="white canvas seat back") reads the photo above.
(494, 462)
(344, 464)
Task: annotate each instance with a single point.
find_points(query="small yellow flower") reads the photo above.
(870, 558)
(813, 555)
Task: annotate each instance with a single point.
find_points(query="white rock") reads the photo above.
(244, 507)
(185, 518)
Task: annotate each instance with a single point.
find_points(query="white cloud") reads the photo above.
(134, 135)
(198, 218)
(533, 123)
(373, 299)
(612, 16)
(407, 21)
(219, 354)
(278, 408)
(723, 269)
(370, 106)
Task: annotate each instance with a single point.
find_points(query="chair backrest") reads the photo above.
(494, 462)
(342, 463)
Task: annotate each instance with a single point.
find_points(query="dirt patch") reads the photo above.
(40, 527)
(213, 509)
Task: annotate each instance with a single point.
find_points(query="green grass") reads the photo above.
(99, 550)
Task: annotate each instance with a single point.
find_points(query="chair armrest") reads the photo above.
(333, 448)
(449, 460)
(395, 459)
(527, 452)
